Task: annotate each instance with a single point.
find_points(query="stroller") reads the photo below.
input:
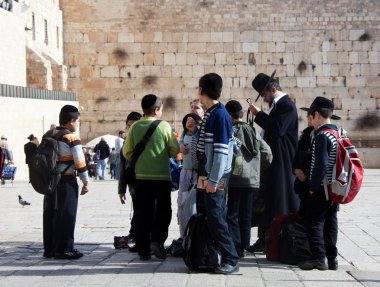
(8, 173)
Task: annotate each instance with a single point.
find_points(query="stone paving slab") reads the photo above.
(101, 216)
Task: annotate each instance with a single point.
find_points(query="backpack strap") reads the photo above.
(144, 141)
(337, 135)
(57, 136)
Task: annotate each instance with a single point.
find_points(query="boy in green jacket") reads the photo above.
(153, 183)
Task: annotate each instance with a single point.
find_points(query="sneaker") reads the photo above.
(240, 252)
(158, 250)
(320, 264)
(332, 263)
(75, 254)
(227, 268)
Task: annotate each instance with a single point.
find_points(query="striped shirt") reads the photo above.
(216, 143)
(70, 151)
(323, 156)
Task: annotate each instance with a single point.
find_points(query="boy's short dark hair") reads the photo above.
(325, 113)
(149, 103)
(211, 85)
(68, 113)
(133, 116)
(235, 109)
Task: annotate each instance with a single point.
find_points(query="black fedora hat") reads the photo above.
(261, 82)
(322, 103)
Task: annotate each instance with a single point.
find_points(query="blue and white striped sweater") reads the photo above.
(216, 142)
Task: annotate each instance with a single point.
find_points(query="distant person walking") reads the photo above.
(104, 153)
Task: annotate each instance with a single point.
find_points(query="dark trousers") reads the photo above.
(59, 224)
(153, 213)
(132, 230)
(215, 208)
(239, 215)
(322, 225)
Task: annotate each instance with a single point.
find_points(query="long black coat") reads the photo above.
(281, 134)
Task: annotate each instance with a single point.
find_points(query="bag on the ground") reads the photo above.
(294, 244)
(43, 173)
(348, 170)
(272, 236)
(200, 251)
(120, 242)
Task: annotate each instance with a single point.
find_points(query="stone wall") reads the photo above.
(118, 51)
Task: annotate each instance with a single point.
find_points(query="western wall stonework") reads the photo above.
(118, 51)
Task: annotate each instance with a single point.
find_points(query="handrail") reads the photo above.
(34, 93)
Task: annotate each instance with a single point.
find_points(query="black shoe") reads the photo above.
(320, 264)
(48, 254)
(227, 268)
(240, 252)
(133, 249)
(158, 250)
(75, 254)
(332, 263)
(145, 257)
(258, 246)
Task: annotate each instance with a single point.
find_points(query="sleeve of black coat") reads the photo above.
(277, 124)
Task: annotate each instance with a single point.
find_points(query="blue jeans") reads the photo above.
(216, 212)
(101, 168)
(240, 215)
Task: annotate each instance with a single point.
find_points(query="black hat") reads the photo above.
(233, 107)
(322, 103)
(31, 137)
(261, 81)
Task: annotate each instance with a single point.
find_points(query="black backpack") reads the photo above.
(200, 251)
(43, 173)
(294, 244)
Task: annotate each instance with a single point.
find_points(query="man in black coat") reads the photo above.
(29, 149)
(280, 127)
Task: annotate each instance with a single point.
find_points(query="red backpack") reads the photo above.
(348, 170)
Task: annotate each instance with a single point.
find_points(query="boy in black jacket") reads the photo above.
(321, 213)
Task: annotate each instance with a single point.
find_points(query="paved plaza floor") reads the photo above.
(101, 216)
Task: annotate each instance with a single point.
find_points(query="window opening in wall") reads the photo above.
(57, 37)
(46, 32)
(33, 27)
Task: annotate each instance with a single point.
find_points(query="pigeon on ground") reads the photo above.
(22, 201)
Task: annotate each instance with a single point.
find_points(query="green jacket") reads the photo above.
(153, 163)
(255, 152)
